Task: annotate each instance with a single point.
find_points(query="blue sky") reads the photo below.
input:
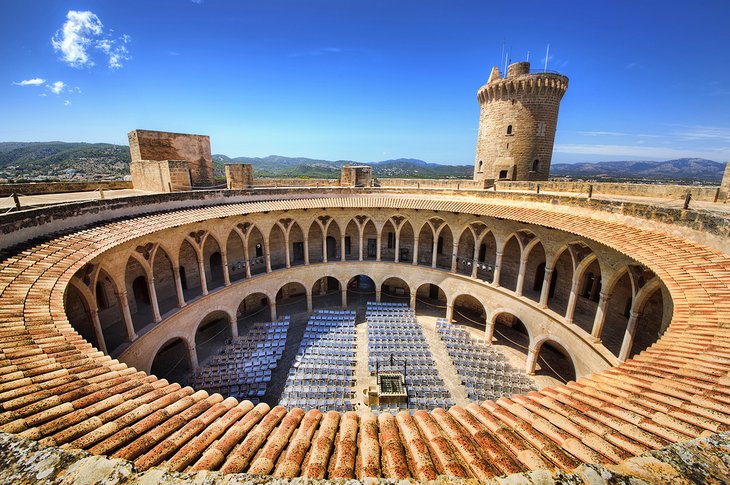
(364, 80)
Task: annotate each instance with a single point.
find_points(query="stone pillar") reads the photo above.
(600, 318)
(360, 248)
(415, 249)
(378, 241)
(434, 251)
(193, 356)
(267, 256)
(449, 312)
(97, 330)
(201, 274)
(153, 300)
(127, 315)
(629, 336)
(306, 250)
(475, 260)
(454, 251)
(545, 292)
(531, 361)
(224, 263)
(247, 259)
(413, 301)
(286, 250)
(724, 192)
(234, 328)
(497, 268)
(377, 295)
(572, 302)
(178, 287)
(309, 301)
(324, 244)
(397, 246)
(489, 331)
(272, 310)
(343, 291)
(521, 277)
(343, 257)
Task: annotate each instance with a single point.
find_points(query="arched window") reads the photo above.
(509, 129)
(481, 166)
(101, 301)
(535, 165)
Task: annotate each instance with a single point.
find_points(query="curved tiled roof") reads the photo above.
(56, 389)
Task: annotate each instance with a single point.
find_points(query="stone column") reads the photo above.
(454, 251)
(96, 323)
(475, 261)
(413, 301)
(545, 292)
(378, 241)
(572, 302)
(286, 249)
(267, 256)
(127, 315)
(362, 237)
(272, 309)
(397, 246)
(449, 312)
(531, 361)
(600, 318)
(234, 328)
(201, 274)
(309, 301)
(629, 336)
(497, 268)
(324, 244)
(343, 257)
(178, 287)
(153, 300)
(224, 263)
(434, 251)
(489, 331)
(415, 249)
(247, 259)
(344, 297)
(377, 295)
(306, 250)
(521, 277)
(193, 356)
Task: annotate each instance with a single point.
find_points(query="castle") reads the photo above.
(615, 311)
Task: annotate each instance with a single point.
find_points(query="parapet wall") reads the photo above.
(262, 182)
(704, 193)
(61, 187)
(436, 183)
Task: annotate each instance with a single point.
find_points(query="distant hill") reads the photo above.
(686, 169)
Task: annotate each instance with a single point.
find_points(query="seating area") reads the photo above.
(396, 343)
(323, 373)
(243, 367)
(484, 371)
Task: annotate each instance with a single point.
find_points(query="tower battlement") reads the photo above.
(517, 124)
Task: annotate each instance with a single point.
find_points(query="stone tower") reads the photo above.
(519, 114)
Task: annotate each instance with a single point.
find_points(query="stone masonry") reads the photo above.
(239, 176)
(725, 185)
(517, 123)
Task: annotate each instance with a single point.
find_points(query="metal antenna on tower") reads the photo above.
(547, 54)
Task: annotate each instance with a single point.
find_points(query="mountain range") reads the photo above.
(101, 161)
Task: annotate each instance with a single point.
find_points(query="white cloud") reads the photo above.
(57, 87)
(67, 103)
(31, 82)
(83, 31)
(643, 152)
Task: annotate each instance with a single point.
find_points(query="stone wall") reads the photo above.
(725, 185)
(61, 187)
(435, 183)
(161, 175)
(660, 191)
(239, 175)
(356, 176)
(160, 145)
(282, 182)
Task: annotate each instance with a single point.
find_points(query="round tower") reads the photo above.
(517, 121)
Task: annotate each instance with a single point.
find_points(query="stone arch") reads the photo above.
(465, 252)
(352, 241)
(256, 250)
(361, 288)
(588, 292)
(236, 255)
(213, 262)
(173, 360)
(469, 311)
(425, 244)
(189, 270)
(444, 246)
(111, 318)
(369, 240)
(534, 270)
(431, 300)
(277, 247)
(211, 333)
(395, 289)
(406, 239)
(509, 330)
(510, 267)
(561, 281)
(552, 359)
(332, 241)
(618, 309)
(136, 279)
(487, 257)
(164, 281)
(326, 292)
(314, 236)
(292, 298)
(650, 308)
(296, 244)
(387, 241)
(79, 305)
(255, 306)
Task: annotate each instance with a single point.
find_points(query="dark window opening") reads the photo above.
(553, 283)
(348, 243)
(535, 165)
(539, 277)
(509, 129)
(101, 301)
(391, 240)
(627, 308)
(259, 250)
(503, 174)
(183, 278)
(482, 252)
(440, 246)
(298, 249)
(139, 289)
(481, 166)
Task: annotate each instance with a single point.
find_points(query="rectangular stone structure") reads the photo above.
(239, 176)
(161, 175)
(725, 185)
(154, 146)
(356, 176)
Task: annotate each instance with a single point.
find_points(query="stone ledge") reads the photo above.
(702, 460)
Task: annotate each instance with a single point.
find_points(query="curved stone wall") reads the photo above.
(57, 389)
